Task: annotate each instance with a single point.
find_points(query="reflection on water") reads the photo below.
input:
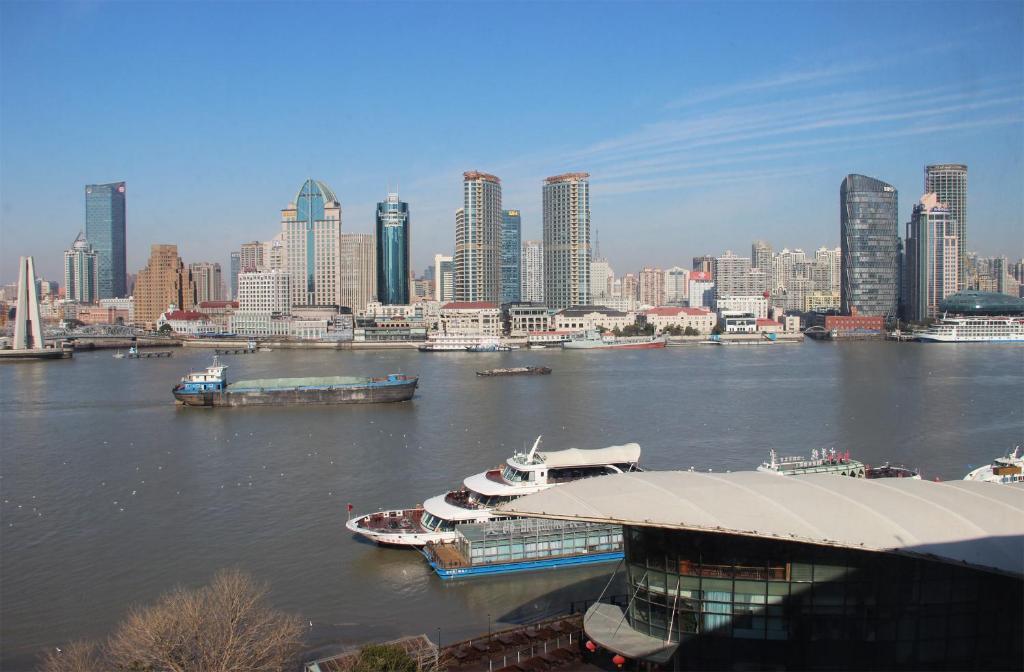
(111, 494)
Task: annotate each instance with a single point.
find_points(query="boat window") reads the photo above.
(513, 475)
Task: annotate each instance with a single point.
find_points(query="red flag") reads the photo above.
(349, 506)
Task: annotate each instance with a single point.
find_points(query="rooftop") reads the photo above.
(566, 177)
(671, 311)
(577, 311)
(477, 175)
(185, 315)
(982, 303)
(468, 305)
(969, 522)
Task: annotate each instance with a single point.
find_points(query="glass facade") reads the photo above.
(870, 246)
(105, 231)
(733, 602)
(511, 256)
(982, 303)
(393, 251)
(949, 181)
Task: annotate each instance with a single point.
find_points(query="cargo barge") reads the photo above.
(210, 388)
(523, 544)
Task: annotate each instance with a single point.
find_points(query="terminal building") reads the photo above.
(750, 570)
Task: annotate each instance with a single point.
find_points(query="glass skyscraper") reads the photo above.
(511, 255)
(949, 181)
(870, 246)
(105, 231)
(393, 251)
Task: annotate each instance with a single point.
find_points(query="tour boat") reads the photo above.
(832, 462)
(994, 329)
(593, 340)
(458, 343)
(1006, 469)
(522, 474)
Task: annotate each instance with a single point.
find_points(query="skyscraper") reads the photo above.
(312, 231)
(869, 237)
(704, 264)
(567, 240)
(511, 255)
(677, 286)
(251, 256)
(652, 286)
(393, 251)
(478, 239)
(236, 267)
(533, 271)
(949, 182)
(358, 270)
(932, 257)
(105, 231)
(165, 281)
(207, 277)
(81, 272)
(444, 278)
(733, 277)
(761, 256)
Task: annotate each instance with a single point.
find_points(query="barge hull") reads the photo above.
(317, 396)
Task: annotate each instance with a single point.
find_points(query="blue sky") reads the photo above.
(703, 125)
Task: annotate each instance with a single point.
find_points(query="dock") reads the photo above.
(235, 351)
(150, 354)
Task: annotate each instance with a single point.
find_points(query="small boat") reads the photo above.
(892, 471)
(118, 355)
(488, 347)
(1006, 469)
(517, 371)
(264, 349)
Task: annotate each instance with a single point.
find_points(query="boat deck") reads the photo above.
(407, 520)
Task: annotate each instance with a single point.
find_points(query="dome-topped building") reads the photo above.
(982, 303)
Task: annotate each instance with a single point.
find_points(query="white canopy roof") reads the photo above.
(980, 524)
(577, 457)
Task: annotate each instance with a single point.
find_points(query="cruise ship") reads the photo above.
(990, 329)
(522, 474)
(1005, 470)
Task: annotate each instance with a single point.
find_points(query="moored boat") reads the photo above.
(210, 388)
(592, 340)
(522, 474)
(1004, 470)
(974, 329)
(517, 371)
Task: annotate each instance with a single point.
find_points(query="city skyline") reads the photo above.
(716, 146)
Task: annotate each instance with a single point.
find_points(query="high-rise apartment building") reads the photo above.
(273, 253)
(732, 275)
(761, 255)
(511, 256)
(251, 256)
(312, 231)
(704, 264)
(949, 182)
(533, 271)
(393, 270)
(105, 231)
(602, 280)
(932, 257)
(652, 286)
(81, 272)
(164, 282)
(207, 277)
(357, 262)
(444, 278)
(236, 268)
(630, 288)
(677, 286)
(868, 210)
(478, 239)
(702, 290)
(566, 200)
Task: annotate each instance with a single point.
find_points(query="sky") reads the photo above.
(703, 126)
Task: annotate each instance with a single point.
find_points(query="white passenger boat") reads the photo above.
(522, 474)
(1005, 470)
(994, 329)
(457, 343)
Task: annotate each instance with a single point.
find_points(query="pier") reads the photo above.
(150, 354)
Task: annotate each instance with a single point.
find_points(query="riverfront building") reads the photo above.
(511, 256)
(471, 318)
(932, 258)
(444, 278)
(702, 290)
(567, 240)
(533, 271)
(393, 271)
(164, 282)
(81, 272)
(949, 182)
(312, 230)
(105, 231)
(701, 320)
(870, 246)
(209, 285)
(357, 260)
(478, 239)
(750, 570)
(651, 291)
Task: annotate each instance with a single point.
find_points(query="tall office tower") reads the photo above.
(478, 239)
(312, 231)
(761, 256)
(81, 272)
(236, 268)
(357, 261)
(444, 278)
(652, 286)
(567, 240)
(393, 270)
(511, 256)
(932, 257)
(867, 210)
(28, 325)
(602, 280)
(251, 256)
(704, 264)
(949, 182)
(677, 286)
(732, 276)
(533, 271)
(105, 231)
(207, 277)
(164, 282)
(1017, 271)
(630, 287)
(273, 253)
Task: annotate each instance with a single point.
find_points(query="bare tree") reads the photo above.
(78, 656)
(226, 626)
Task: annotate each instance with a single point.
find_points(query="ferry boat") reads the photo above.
(1005, 470)
(517, 371)
(832, 462)
(522, 474)
(994, 329)
(210, 387)
(592, 340)
(459, 343)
